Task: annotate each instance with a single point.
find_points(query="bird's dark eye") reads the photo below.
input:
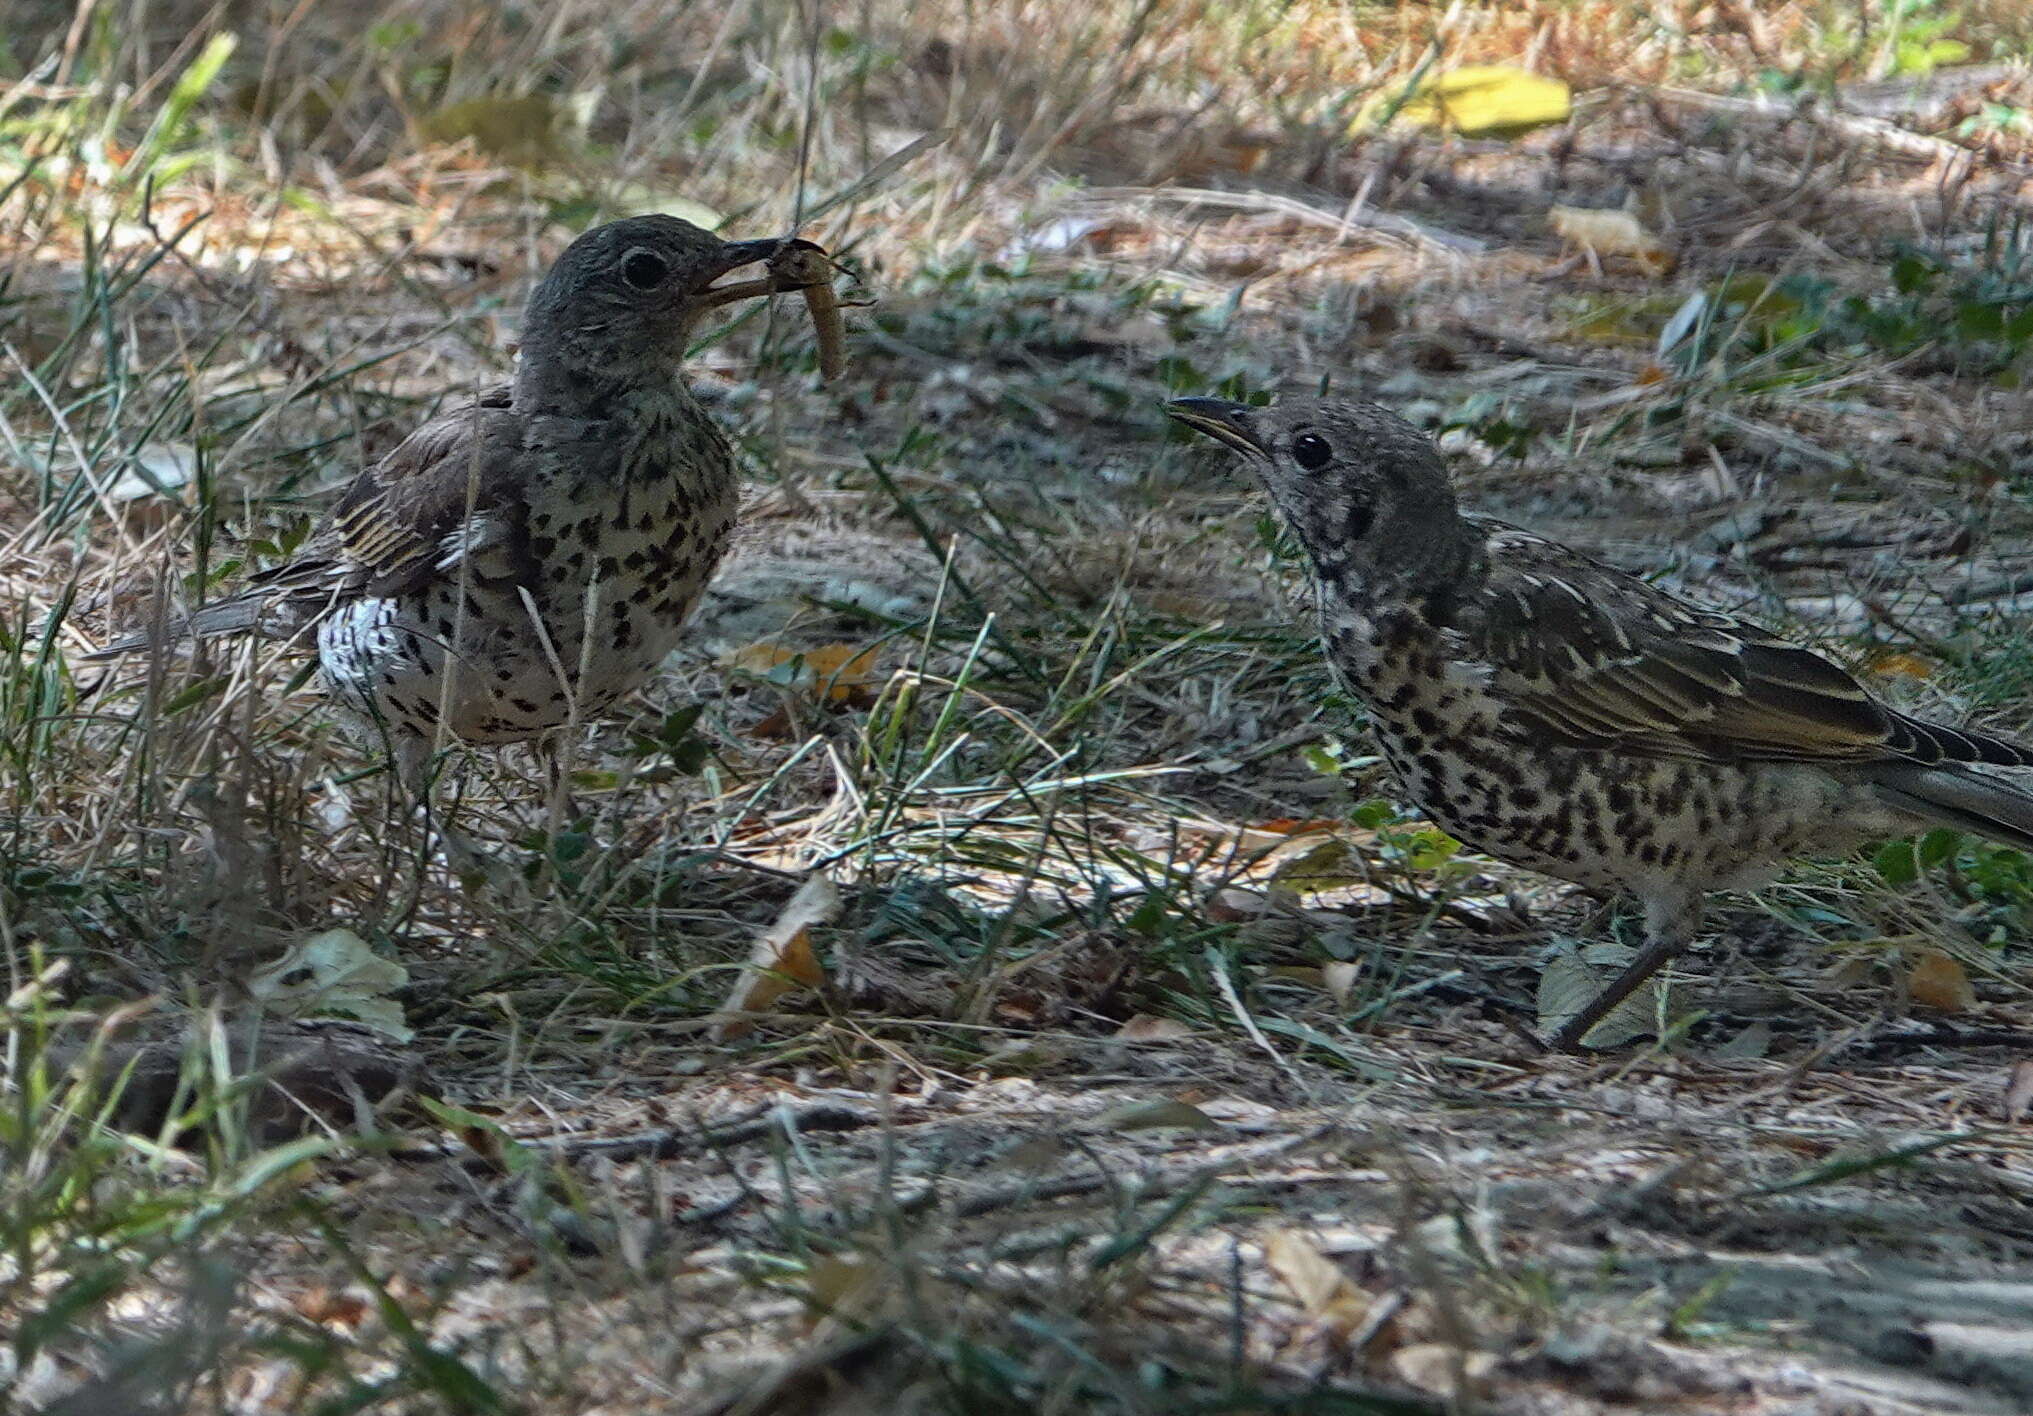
(645, 270)
(1311, 451)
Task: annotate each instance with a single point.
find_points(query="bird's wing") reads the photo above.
(446, 493)
(1588, 656)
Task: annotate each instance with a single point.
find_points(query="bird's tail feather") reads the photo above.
(233, 615)
(1979, 802)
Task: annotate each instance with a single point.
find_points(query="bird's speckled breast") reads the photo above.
(620, 538)
(1607, 821)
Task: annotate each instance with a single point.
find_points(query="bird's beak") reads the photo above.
(1219, 419)
(732, 256)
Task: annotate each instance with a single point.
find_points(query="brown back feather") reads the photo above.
(1588, 656)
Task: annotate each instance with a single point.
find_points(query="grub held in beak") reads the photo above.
(793, 265)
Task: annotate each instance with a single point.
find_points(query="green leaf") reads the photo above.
(1911, 272)
(191, 86)
(1845, 1167)
(1896, 863)
(1374, 813)
(1937, 846)
(1980, 320)
(1148, 918)
(197, 693)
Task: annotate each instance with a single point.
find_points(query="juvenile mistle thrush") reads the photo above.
(525, 560)
(1565, 716)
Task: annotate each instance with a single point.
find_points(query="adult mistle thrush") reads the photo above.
(1565, 716)
(522, 562)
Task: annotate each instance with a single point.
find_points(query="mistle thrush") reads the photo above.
(523, 561)
(1565, 716)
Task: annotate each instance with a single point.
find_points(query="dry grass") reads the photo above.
(1160, 1064)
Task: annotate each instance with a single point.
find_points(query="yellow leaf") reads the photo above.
(781, 958)
(830, 671)
(1485, 99)
(1898, 665)
(1937, 981)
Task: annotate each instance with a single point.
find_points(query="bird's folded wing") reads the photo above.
(1588, 656)
(448, 491)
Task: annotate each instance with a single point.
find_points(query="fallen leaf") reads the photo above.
(335, 974)
(1294, 825)
(1154, 1115)
(1322, 1291)
(838, 1287)
(833, 673)
(523, 131)
(1339, 980)
(1500, 99)
(781, 959)
(155, 469)
(1233, 906)
(1753, 1042)
(776, 727)
(1324, 867)
(2019, 1092)
(1441, 1368)
(1571, 980)
(1900, 665)
(331, 1307)
(1938, 981)
(1610, 232)
(1146, 1028)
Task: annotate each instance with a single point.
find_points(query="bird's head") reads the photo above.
(625, 294)
(1364, 491)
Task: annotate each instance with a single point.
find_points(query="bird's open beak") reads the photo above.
(1219, 419)
(794, 264)
(732, 256)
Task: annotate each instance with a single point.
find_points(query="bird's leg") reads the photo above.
(561, 807)
(411, 757)
(1670, 925)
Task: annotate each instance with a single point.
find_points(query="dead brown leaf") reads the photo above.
(781, 958)
(1316, 1282)
(1146, 1028)
(1939, 982)
(1234, 906)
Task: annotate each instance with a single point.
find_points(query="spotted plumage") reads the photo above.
(1565, 716)
(523, 561)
